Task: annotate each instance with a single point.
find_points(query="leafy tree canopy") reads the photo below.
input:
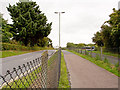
(109, 34)
(4, 30)
(29, 23)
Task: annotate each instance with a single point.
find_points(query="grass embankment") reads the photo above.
(102, 63)
(8, 53)
(64, 82)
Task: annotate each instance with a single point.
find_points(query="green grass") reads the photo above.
(8, 53)
(64, 82)
(24, 81)
(104, 64)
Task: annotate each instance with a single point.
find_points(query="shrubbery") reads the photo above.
(8, 46)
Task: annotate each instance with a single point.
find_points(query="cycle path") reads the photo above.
(85, 74)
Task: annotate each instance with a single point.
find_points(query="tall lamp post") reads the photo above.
(59, 24)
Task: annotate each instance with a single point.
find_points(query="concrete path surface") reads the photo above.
(85, 74)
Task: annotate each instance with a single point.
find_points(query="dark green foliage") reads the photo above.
(110, 31)
(69, 45)
(29, 23)
(98, 39)
(45, 42)
(72, 45)
(5, 35)
(8, 46)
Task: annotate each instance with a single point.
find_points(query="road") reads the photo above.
(85, 74)
(14, 61)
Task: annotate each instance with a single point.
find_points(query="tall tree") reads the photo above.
(110, 31)
(98, 39)
(4, 30)
(29, 23)
(114, 22)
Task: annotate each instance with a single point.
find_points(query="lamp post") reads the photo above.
(59, 24)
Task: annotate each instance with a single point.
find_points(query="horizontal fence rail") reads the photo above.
(39, 73)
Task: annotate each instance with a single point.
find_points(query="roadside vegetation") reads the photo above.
(102, 63)
(28, 32)
(64, 82)
(4, 54)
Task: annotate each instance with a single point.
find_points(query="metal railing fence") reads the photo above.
(39, 73)
(109, 54)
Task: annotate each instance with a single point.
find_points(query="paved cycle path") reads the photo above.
(85, 74)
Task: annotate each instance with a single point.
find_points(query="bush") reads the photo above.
(8, 46)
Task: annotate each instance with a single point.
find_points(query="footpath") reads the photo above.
(85, 74)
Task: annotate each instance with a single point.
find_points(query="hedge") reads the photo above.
(8, 46)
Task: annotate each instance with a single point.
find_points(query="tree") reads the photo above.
(81, 45)
(69, 45)
(114, 23)
(106, 35)
(98, 39)
(109, 34)
(45, 42)
(29, 23)
(4, 30)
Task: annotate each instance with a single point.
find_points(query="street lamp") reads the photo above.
(59, 24)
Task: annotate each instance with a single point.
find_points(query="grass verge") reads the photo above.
(63, 82)
(8, 53)
(106, 65)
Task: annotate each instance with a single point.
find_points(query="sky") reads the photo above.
(81, 20)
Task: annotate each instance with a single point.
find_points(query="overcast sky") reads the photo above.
(81, 20)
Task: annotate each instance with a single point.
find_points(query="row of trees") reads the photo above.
(69, 45)
(29, 26)
(109, 35)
